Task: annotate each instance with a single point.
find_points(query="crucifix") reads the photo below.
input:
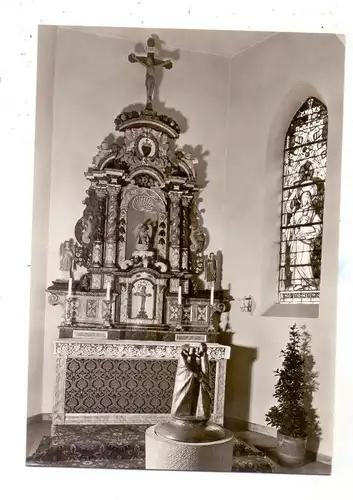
(142, 293)
(150, 63)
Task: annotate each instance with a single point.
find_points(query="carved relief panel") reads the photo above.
(142, 300)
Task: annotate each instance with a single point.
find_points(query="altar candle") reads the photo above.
(179, 296)
(212, 293)
(108, 291)
(70, 288)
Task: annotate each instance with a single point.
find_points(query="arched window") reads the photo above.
(303, 192)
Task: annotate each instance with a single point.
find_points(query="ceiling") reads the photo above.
(218, 42)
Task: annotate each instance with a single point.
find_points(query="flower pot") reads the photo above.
(290, 450)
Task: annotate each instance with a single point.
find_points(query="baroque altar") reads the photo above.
(136, 282)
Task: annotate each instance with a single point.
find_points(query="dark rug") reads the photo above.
(120, 447)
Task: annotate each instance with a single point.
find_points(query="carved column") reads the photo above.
(98, 236)
(111, 227)
(185, 232)
(174, 230)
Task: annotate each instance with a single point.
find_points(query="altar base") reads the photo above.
(167, 454)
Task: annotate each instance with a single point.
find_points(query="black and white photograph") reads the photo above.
(184, 261)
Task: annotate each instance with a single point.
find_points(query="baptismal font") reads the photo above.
(189, 441)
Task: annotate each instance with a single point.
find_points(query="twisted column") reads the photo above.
(185, 232)
(174, 230)
(111, 227)
(99, 223)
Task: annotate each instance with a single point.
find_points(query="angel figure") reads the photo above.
(143, 235)
(211, 269)
(67, 256)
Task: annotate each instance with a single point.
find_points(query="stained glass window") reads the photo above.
(303, 192)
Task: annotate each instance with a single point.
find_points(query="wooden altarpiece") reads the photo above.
(130, 289)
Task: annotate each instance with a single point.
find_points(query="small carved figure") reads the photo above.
(188, 159)
(197, 238)
(126, 264)
(192, 383)
(143, 235)
(136, 261)
(87, 230)
(103, 150)
(67, 256)
(211, 268)
(85, 283)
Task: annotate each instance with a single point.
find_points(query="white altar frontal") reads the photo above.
(136, 283)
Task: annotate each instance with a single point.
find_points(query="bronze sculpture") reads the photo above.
(191, 407)
(192, 384)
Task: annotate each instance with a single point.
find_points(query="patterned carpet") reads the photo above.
(120, 447)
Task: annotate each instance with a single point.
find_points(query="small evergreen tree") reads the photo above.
(289, 416)
(310, 386)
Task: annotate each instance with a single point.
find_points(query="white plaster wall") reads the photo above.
(268, 85)
(43, 140)
(93, 82)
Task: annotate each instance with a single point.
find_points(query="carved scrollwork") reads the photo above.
(143, 351)
(53, 299)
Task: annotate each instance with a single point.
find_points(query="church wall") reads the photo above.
(41, 187)
(93, 83)
(268, 84)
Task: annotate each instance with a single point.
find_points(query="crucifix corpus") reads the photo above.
(150, 63)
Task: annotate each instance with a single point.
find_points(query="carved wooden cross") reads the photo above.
(150, 63)
(142, 293)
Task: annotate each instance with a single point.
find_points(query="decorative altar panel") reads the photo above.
(114, 382)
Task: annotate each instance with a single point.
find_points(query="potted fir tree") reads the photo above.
(292, 416)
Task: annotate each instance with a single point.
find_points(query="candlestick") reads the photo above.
(212, 293)
(179, 296)
(108, 290)
(69, 293)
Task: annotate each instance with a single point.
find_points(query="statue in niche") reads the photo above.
(143, 235)
(67, 256)
(192, 382)
(210, 269)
